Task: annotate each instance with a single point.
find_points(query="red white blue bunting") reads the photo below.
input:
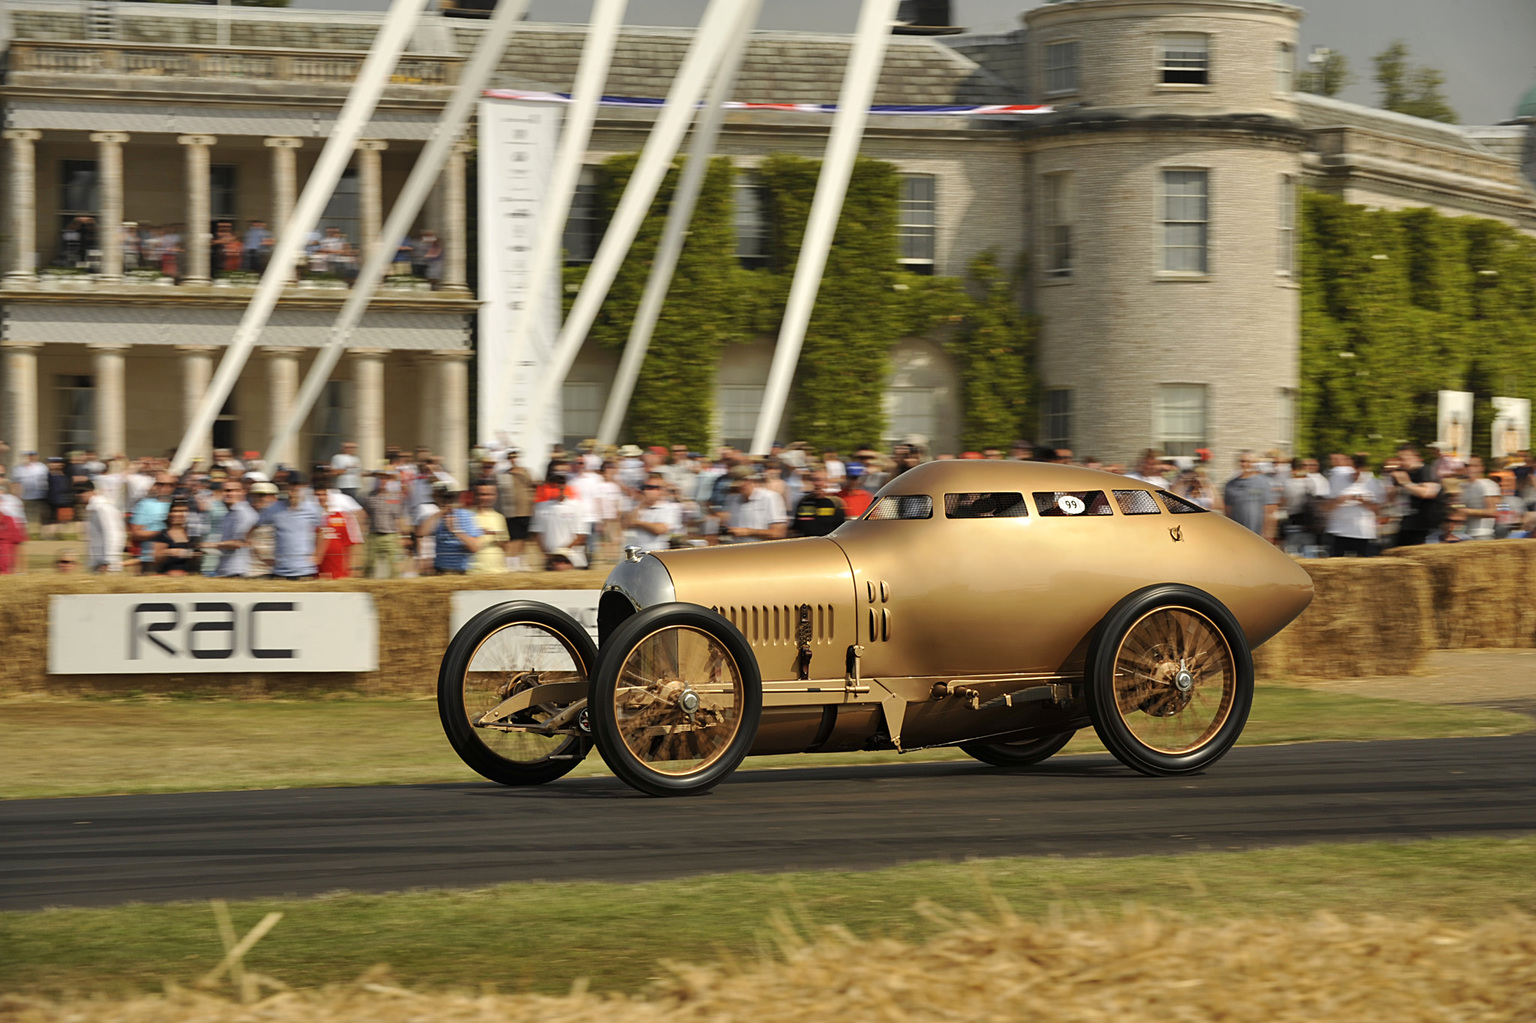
(966, 110)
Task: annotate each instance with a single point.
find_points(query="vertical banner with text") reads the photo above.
(517, 153)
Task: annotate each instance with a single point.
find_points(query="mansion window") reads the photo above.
(751, 212)
(77, 198)
(221, 194)
(1058, 417)
(1186, 59)
(915, 222)
(910, 410)
(1186, 221)
(344, 210)
(1285, 67)
(739, 405)
(1285, 264)
(1181, 418)
(1056, 212)
(1285, 420)
(76, 405)
(581, 411)
(583, 225)
(1061, 68)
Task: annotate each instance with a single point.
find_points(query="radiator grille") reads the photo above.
(774, 624)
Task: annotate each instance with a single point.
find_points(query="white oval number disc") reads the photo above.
(1071, 505)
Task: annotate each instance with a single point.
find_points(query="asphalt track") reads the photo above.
(108, 850)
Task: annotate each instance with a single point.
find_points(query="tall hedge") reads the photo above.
(1399, 304)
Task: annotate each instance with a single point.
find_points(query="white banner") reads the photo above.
(579, 604)
(179, 633)
(517, 154)
(1455, 422)
(1511, 426)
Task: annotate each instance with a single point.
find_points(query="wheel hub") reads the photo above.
(1183, 681)
(688, 701)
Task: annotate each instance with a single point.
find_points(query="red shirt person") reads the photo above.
(334, 540)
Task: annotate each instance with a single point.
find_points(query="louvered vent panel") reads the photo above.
(775, 625)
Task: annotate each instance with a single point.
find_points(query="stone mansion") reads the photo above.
(1156, 204)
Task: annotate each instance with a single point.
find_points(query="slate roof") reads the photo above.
(783, 67)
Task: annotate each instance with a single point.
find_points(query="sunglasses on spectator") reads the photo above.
(651, 486)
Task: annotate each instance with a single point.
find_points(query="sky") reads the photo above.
(1486, 48)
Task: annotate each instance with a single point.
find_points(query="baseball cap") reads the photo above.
(263, 487)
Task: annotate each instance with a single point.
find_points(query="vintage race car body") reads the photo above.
(995, 606)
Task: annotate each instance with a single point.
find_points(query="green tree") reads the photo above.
(1409, 88)
(993, 345)
(1328, 75)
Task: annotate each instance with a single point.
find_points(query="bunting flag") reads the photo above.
(963, 109)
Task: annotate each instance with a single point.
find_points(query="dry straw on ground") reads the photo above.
(1141, 968)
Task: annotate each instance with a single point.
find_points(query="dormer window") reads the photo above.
(1186, 59)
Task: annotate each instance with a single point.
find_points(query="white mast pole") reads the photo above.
(700, 148)
(545, 259)
(380, 63)
(704, 55)
(493, 42)
(869, 44)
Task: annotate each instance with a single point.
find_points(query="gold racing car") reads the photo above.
(994, 606)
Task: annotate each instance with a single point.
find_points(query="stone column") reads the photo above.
(368, 403)
(453, 411)
(109, 222)
(22, 221)
(282, 384)
(455, 232)
(196, 239)
(18, 412)
(111, 399)
(370, 189)
(428, 392)
(196, 372)
(284, 183)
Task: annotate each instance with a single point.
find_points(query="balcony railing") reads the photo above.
(147, 61)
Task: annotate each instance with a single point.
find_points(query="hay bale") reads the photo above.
(1141, 967)
(1368, 617)
(1483, 594)
(413, 632)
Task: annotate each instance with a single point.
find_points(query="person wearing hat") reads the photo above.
(104, 531)
(296, 521)
(383, 501)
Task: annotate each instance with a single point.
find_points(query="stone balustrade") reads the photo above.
(78, 57)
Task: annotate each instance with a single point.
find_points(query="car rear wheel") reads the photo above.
(676, 700)
(502, 652)
(1170, 680)
(1017, 754)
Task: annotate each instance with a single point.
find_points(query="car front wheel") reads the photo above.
(1017, 754)
(676, 700)
(1170, 680)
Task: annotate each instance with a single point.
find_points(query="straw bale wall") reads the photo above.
(413, 632)
(1370, 617)
(1481, 594)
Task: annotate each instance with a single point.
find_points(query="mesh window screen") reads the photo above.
(1064, 503)
(985, 506)
(903, 506)
(1137, 502)
(1177, 505)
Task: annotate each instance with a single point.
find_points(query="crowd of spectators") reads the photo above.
(159, 249)
(409, 517)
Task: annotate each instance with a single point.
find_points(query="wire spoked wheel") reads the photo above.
(505, 652)
(676, 700)
(1171, 680)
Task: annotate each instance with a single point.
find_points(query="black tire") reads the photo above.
(640, 703)
(1018, 754)
(1169, 680)
(544, 644)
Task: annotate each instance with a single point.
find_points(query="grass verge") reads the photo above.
(105, 746)
(541, 937)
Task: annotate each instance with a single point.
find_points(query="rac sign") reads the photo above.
(152, 633)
